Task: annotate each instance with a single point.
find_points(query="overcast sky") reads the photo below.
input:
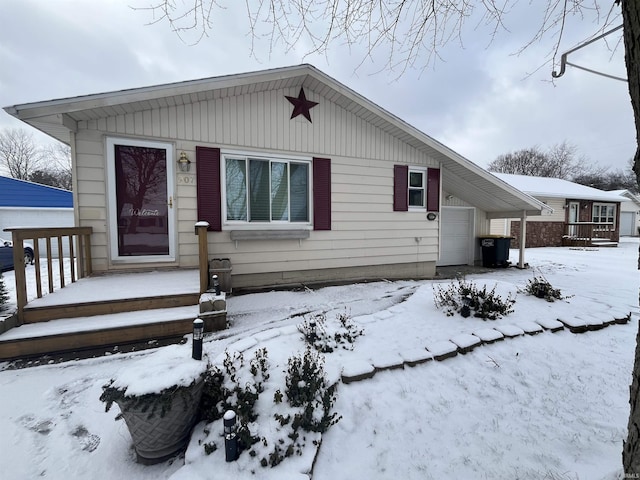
(480, 99)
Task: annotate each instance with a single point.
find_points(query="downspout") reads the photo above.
(523, 238)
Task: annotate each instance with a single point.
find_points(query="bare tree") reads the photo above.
(19, 155)
(413, 32)
(57, 172)
(529, 161)
(604, 180)
(559, 161)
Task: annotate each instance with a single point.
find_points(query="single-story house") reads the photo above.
(28, 204)
(578, 213)
(629, 214)
(300, 179)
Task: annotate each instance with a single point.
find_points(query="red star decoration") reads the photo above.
(301, 105)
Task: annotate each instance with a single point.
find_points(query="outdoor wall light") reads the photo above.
(431, 216)
(184, 163)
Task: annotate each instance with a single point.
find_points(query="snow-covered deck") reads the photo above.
(105, 310)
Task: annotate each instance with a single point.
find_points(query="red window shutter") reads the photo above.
(400, 188)
(433, 189)
(321, 194)
(208, 183)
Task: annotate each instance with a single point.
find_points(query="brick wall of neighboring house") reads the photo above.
(549, 234)
(539, 234)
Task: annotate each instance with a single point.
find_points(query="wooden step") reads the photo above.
(80, 333)
(34, 314)
(603, 243)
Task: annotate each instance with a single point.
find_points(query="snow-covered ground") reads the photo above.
(552, 405)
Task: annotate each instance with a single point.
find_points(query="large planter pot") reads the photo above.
(159, 435)
(158, 396)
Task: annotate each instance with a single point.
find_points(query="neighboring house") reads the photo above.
(629, 214)
(300, 178)
(28, 204)
(578, 213)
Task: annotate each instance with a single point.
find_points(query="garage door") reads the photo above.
(626, 223)
(456, 237)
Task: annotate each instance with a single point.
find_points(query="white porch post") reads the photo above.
(523, 237)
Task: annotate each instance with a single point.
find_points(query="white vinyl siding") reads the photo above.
(260, 120)
(365, 230)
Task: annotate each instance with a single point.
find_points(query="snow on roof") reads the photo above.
(627, 195)
(557, 188)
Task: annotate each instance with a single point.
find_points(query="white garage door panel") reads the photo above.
(456, 236)
(626, 223)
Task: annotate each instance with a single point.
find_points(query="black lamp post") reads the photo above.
(465, 311)
(198, 335)
(215, 284)
(230, 436)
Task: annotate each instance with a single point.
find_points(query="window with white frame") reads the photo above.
(604, 213)
(266, 190)
(417, 188)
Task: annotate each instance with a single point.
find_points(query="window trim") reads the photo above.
(423, 172)
(600, 205)
(271, 224)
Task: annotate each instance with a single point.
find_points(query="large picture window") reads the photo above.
(264, 190)
(604, 213)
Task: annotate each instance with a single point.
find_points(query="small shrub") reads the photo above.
(4, 294)
(541, 288)
(210, 447)
(232, 388)
(308, 387)
(465, 297)
(311, 399)
(326, 338)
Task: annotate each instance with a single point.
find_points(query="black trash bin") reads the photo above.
(495, 251)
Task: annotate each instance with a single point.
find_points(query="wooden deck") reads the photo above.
(109, 310)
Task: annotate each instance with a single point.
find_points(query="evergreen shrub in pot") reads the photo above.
(158, 397)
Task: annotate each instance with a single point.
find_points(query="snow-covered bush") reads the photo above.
(466, 298)
(4, 294)
(302, 408)
(540, 287)
(326, 337)
(309, 412)
(236, 388)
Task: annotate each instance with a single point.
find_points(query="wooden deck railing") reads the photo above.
(78, 241)
(583, 233)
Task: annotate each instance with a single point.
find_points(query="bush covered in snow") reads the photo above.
(237, 388)
(325, 337)
(4, 294)
(540, 287)
(300, 412)
(466, 298)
